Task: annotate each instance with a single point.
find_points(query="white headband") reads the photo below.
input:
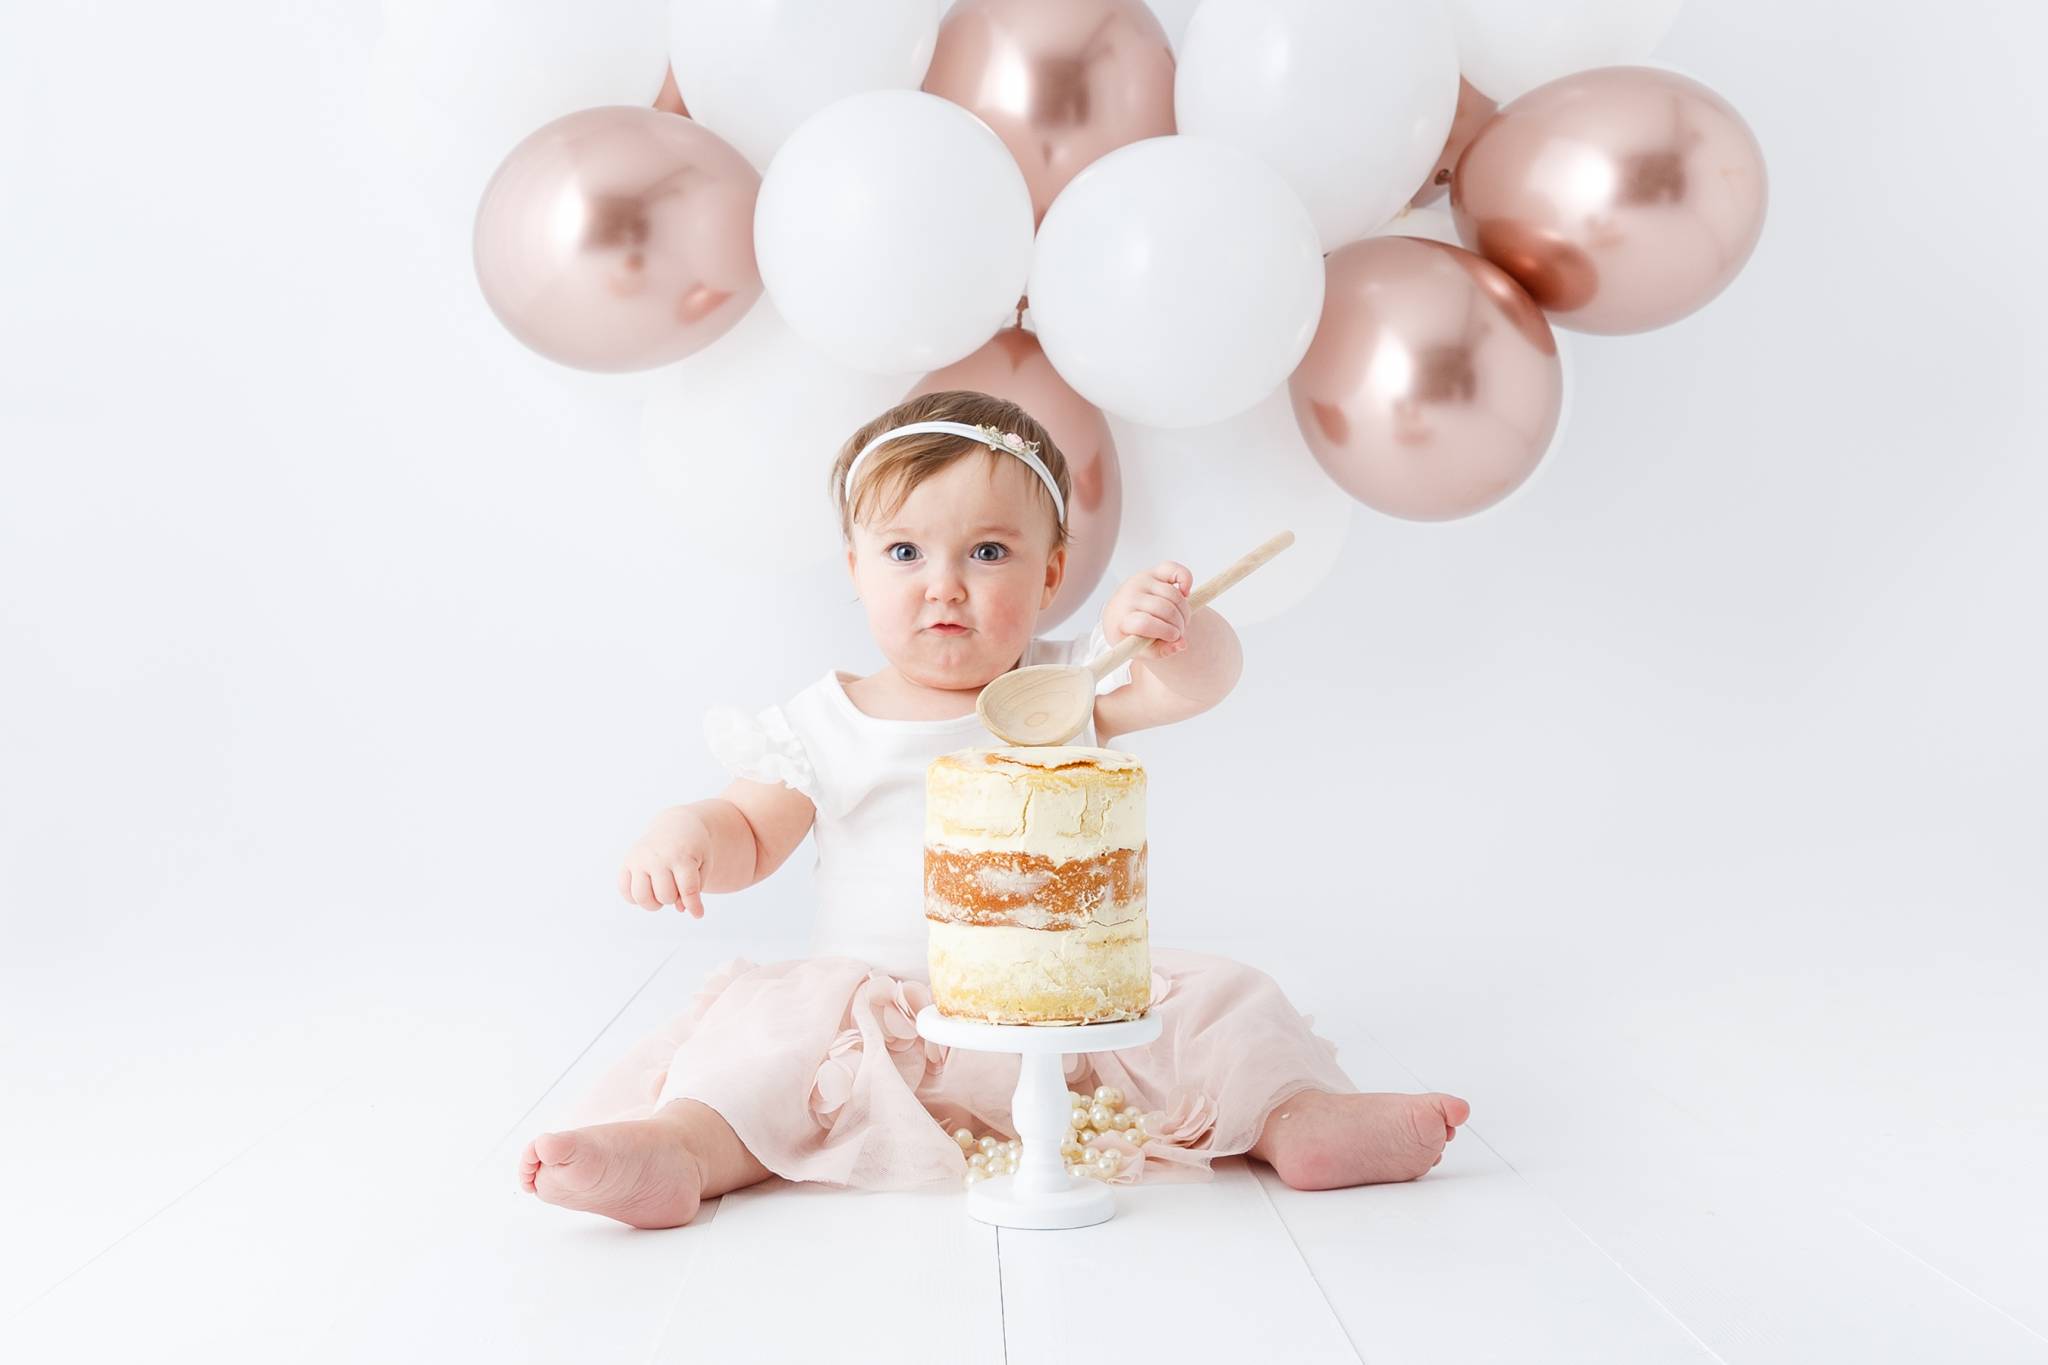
(1008, 442)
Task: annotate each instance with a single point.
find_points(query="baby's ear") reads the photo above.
(1055, 574)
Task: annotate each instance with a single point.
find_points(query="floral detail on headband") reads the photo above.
(1007, 440)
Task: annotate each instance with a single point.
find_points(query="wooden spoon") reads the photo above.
(1051, 703)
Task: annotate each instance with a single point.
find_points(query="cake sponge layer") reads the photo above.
(1031, 890)
(1002, 974)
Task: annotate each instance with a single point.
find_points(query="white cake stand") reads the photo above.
(1041, 1194)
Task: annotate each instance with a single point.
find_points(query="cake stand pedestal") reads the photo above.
(1041, 1194)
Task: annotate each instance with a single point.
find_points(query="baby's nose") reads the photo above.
(945, 587)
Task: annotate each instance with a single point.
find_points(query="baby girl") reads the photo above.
(813, 1069)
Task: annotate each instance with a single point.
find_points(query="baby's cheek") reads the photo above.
(1014, 614)
(1010, 627)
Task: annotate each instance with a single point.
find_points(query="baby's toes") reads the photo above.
(570, 1165)
(1442, 1111)
(1430, 1127)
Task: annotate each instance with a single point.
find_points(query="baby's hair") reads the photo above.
(888, 476)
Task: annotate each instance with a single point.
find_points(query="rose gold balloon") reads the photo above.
(1013, 366)
(1622, 198)
(1433, 385)
(670, 99)
(1474, 109)
(619, 239)
(1061, 81)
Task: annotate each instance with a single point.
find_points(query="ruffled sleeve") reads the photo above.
(1080, 652)
(761, 747)
(1095, 644)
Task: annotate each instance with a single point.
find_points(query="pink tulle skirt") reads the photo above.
(818, 1066)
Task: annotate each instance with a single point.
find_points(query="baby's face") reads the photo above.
(971, 549)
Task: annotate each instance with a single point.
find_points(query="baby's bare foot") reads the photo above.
(639, 1172)
(1323, 1141)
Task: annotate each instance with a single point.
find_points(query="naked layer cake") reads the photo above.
(1034, 885)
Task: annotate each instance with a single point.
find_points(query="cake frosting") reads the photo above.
(1035, 885)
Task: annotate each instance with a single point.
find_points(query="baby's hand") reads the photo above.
(666, 865)
(1153, 604)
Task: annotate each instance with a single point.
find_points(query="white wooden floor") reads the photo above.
(1822, 1163)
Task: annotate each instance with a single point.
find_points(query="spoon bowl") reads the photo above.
(1051, 703)
(1037, 705)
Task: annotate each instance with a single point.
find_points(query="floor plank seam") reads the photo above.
(1944, 1276)
(170, 1204)
(697, 1226)
(1562, 1212)
(668, 1321)
(1831, 1203)
(595, 1039)
(1002, 1305)
(1594, 1243)
(1313, 1278)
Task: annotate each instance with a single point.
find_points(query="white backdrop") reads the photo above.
(346, 644)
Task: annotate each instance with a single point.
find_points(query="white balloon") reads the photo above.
(1177, 281)
(894, 231)
(752, 70)
(1350, 101)
(1509, 47)
(739, 441)
(1206, 496)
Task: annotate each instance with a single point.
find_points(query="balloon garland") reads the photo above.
(1197, 224)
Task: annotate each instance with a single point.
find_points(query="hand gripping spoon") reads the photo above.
(1051, 703)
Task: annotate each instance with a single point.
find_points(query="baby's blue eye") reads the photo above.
(902, 545)
(1001, 552)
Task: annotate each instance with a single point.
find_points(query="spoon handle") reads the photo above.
(1130, 646)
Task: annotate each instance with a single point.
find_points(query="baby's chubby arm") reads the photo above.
(727, 843)
(1200, 661)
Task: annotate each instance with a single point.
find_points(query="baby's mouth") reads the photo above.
(945, 628)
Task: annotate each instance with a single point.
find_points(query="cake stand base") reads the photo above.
(997, 1201)
(1041, 1194)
